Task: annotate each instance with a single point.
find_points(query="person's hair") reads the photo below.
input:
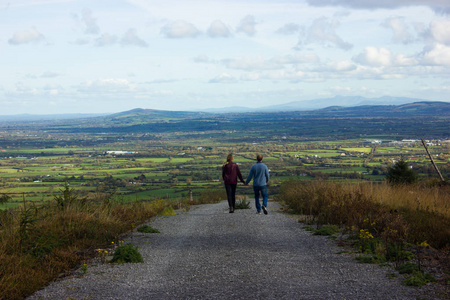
(259, 157)
(229, 159)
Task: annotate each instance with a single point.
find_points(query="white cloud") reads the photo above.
(130, 38)
(375, 57)
(49, 74)
(247, 25)
(342, 66)
(218, 29)
(223, 78)
(202, 59)
(106, 85)
(289, 28)
(440, 31)
(89, 22)
(438, 55)
(250, 63)
(250, 76)
(26, 36)
(400, 30)
(180, 29)
(81, 41)
(105, 39)
(438, 5)
(323, 31)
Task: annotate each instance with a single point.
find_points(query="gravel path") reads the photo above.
(207, 253)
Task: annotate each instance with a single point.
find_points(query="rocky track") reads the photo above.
(208, 253)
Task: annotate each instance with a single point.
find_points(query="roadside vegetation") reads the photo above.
(398, 223)
(39, 243)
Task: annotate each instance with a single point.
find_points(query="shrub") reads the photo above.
(127, 254)
(400, 173)
(242, 204)
(327, 230)
(168, 211)
(147, 229)
(212, 196)
(419, 279)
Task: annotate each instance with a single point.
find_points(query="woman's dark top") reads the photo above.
(230, 173)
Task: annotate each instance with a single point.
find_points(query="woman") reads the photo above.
(230, 174)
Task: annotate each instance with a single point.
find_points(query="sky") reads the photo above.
(106, 56)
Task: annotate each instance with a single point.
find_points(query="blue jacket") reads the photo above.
(260, 174)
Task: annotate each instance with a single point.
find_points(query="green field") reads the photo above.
(162, 172)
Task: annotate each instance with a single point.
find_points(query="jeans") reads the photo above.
(263, 189)
(231, 194)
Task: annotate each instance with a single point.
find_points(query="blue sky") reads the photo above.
(104, 56)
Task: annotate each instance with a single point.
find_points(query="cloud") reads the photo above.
(400, 30)
(218, 29)
(440, 31)
(289, 28)
(26, 36)
(250, 63)
(81, 41)
(90, 22)
(106, 85)
(382, 57)
(442, 6)
(130, 38)
(223, 78)
(323, 31)
(247, 25)
(49, 74)
(438, 55)
(202, 59)
(105, 39)
(180, 29)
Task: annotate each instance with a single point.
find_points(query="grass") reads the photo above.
(38, 243)
(413, 213)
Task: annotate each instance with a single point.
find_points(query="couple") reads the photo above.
(260, 175)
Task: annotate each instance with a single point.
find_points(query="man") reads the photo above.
(260, 175)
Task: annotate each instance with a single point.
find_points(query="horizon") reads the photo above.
(212, 110)
(198, 55)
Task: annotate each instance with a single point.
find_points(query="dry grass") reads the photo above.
(40, 243)
(415, 213)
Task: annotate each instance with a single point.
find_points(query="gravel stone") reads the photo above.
(208, 253)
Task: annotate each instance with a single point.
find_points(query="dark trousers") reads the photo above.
(231, 194)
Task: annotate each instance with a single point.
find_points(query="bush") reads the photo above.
(242, 204)
(147, 229)
(327, 230)
(168, 211)
(400, 173)
(127, 254)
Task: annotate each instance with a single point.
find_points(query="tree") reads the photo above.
(400, 173)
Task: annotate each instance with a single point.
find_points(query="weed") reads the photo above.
(373, 259)
(327, 230)
(127, 254)
(168, 211)
(309, 228)
(242, 204)
(419, 279)
(408, 268)
(147, 229)
(84, 268)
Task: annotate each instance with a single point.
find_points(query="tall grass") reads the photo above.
(411, 213)
(39, 243)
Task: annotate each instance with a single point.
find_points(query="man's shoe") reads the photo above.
(264, 209)
(258, 212)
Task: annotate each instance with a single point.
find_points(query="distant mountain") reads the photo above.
(424, 108)
(340, 101)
